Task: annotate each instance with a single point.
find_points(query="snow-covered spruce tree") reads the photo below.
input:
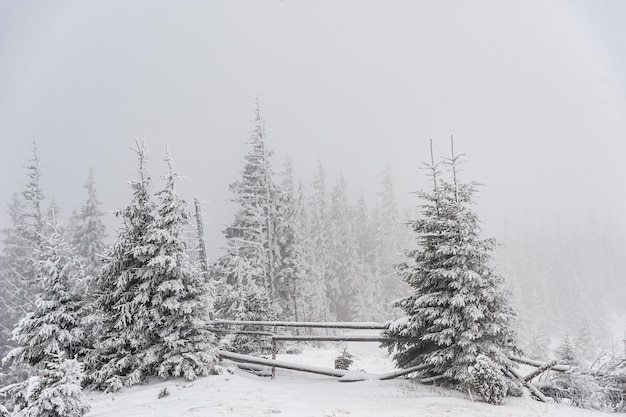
(240, 297)
(88, 231)
(15, 251)
(318, 248)
(22, 242)
(311, 291)
(53, 327)
(49, 335)
(246, 272)
(152, 302)
(126, 330)
(180, 298)
(368, 303)
(390, 239)
(55, 391)
(341, 280)
(458, 309)
(566, 351)
(585, 344)
(290, 235)
(485, 378)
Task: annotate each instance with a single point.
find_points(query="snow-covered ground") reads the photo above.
(236, 393)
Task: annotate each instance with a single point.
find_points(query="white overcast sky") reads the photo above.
(534, 92)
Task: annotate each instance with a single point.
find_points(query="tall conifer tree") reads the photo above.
(53, 327)
(290, 235)
(342, 283)
(22, 245)
(246, 273)
(88, 230)
(458, 309)
(318, 253)
(180, 298)
(153, 302)
(49, 336)
(125, 328)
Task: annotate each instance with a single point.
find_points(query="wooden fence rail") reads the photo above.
(308, 338)
(309, 324)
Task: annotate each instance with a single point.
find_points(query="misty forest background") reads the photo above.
(321, 251)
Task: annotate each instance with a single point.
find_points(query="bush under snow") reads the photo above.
(486, 380)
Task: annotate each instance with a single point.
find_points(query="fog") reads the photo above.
(534, 93)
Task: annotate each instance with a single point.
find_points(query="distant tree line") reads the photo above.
(315, 258)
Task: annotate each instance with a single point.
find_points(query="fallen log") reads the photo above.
(528, 385)
(280, 364)
(402, 372)
(259, 370)
(430, 380)
(540, 370)
(532, 362)
(250, 332)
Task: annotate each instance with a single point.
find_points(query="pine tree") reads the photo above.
(342, 282)
(125, 328)
(390, 236)
(180, 299)
(246, 273)
(290, 234)
(88, 231)
(55, 391)
(585, 343)
(367, 303)
(16, 251)
(34, 199)
(53, 327)
(536, 339)
(566, 352)
(153, 302)
(458, 309)
(318, 248)
(240, 297)
(22, 243)
(253, 227)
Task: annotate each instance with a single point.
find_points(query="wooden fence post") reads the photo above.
(274, 351)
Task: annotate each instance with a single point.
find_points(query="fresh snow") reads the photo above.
(237, 393)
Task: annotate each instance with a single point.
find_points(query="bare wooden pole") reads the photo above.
(453, 163)
(279, 364)
(540, 370)
(203, 256)
(532, 362)
(312, 324)
(340, 338)
(432, 165)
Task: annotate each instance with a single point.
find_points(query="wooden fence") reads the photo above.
(275, 338)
